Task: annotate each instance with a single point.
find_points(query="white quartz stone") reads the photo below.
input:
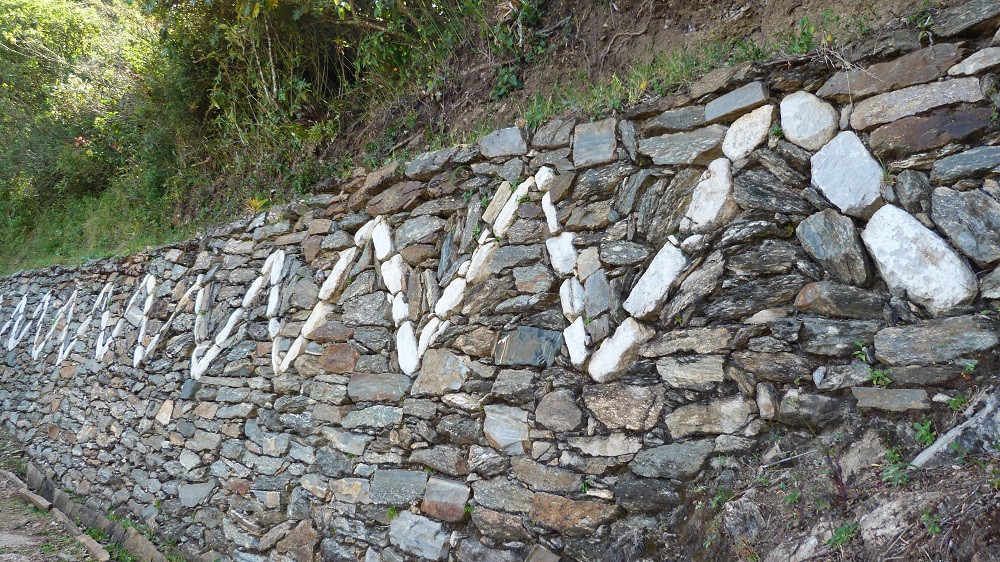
(406, 348)
(551, 215)
(562, 253)
(712, 204)
(331, 286)
(544, 177)
(613, 357)
(912, 258)
(163, 415)
(364, 234)
(747, 133)
(394, 274)
(478, 270)
(382, 239)
(451, 297)
(316, 318)
(650, 292)
(808, 121)
(509, 211)
(497, 203)
(571, 294)
(400, 309)
(847, 175)
(576, 341)
(427, 334)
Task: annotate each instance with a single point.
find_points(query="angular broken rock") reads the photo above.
(847, 175)
(676, 460)
(915, 134)
(558, 411)
(841, 301)
(971, 220)
(912, 258)
(712, 204)
(737, 102)
(719, 416)
(650, 292)
(832, 240)
(747, 133)
(974, 162)
(808, 121)
(445, 499)
(624, 406)
(891, 399)
(978, 61)
(936, 341)
(594, 143)
(917, 67)
(699, 372)
(697, 147)
(505, 142)
(568, 517)
(889, 107)
(419, 536)
(442, 371)
(506, 428)
(617, 353)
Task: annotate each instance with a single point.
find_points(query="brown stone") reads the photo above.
(417, 253)
(373, 184)
(404, 196)
(332, 332)
(624, 406)
(573, 518)
(919, 134)
(445, 499)
(53, 431)
(239, 486)
(560, 187)
(290, 239)
(477, 343)
(340, 358)
(841, 301)
(311, 248)
(917, 67)
(299, 544)
(777, 367)
(498, 525)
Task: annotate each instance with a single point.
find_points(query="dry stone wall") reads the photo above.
(518, 349)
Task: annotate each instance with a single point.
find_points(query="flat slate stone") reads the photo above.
(971, 220)
(504, 143)
(419, 536)
(911, 135)
(506, 428)
(936, 341)
(696, 147)
(698, 372)
(428, 164)
(977, 62)
(569, 517)
(913, 190)
(675, 120)
(528, 346)
(503, 495)
(961, 17)
(718, 416)
(917, 67)
(892, 106)
(832, 240)
(736, 103)
(555, 133)
(810, 410)
(676, 460)
(381, 387)
(594, 143)
(623, 252)
(776, 367)
(891, 399)
(397, 487)
(445, 499)
(914, 259)
(841, 301)
(974, 162)
(759, 189)
(847, 175)
(824, 336)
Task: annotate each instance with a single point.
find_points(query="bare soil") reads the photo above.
(28, 534)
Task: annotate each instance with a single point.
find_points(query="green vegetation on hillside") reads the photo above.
(128, 123)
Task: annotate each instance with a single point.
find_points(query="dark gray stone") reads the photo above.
(936, 341)
(646, 495)
(697, 147)
(417, 230)
(891, 399)
(676, 460)
(773, 257)
(331, 462)
(776, 367)
(628, 191)
(674, 120)
(964, 16)
(528, 346)
(428, 164)
(759, 189)
(810, 410)
(832, 240)
(739, 101)
(368, 310)
(974, 162)
(397, 487)
(504, 143)
(841, 301)
(823, 336)
(594, 143)
(382, 387)
(913, 191)
(601, 182)
(624, 252)
(752, 296)
(555, 133)
(971, 220)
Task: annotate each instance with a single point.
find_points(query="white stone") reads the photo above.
(747, 133)
(451, 297)
(613, 445)
(571, 295)
(650, 292)
(331, 286)
(808, 121)
(316, 318)
(509, 211)
(364, 234)
(912, 258)
(166, 410)
(400, 309)
(976, 62)
(562, 254)
(298, 346)
(478, 272)
(551, 215)
(496, 204)
(847, 175)
(382, 239)
(576, 341)
(544, 177)
(463, 269)
(427, 335)
(712, 204)
(613, 358)
(394, 274)
(406, 348)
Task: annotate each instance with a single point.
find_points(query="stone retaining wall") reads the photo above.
(517, 349)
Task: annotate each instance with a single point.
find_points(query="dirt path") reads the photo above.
(28, 534)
